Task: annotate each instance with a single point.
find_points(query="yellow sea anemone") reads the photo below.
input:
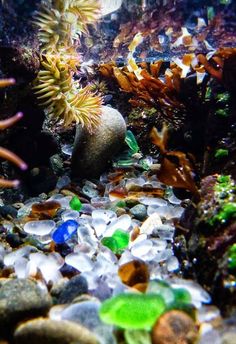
(62, 23)
(56, 89)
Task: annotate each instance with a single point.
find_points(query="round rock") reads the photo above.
(92, 153)
(20, 299)
(175, 327)
(75, 287)
(139, 211)
(48, 331)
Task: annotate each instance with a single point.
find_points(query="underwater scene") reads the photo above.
(117, 171)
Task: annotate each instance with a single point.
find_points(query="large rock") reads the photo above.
(46, 331)
(92, 153)
(21, 299)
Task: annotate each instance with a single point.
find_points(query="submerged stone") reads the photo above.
(175, 327)
(133, 311)
(65, 231)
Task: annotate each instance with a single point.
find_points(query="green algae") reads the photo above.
(224, 191)
(232, 257)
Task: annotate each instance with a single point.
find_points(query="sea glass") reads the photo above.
(65, 231)
(75, 203)
(133, 311)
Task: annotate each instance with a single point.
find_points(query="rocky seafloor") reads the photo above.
(125, 236)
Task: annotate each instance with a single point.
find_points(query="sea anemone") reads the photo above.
(5, 153)
(60, 25)
(55, 87)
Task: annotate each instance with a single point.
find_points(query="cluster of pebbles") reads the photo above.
(65, 265)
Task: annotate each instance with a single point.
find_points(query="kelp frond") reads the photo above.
(176, 168)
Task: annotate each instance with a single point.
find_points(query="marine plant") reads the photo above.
(176, 168)
(5, 153)
(60, 25)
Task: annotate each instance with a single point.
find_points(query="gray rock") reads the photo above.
(20, 299)
(86, 314)
(75, 287)
(46, 331)
(139, 211)
(92, 153)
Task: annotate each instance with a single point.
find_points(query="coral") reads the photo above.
(56, 89)
(5, 153)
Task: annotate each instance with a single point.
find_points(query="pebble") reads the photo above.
(87, 314)
(20, 299)
(174, 327)
(8, 211)
(139, 211)
(38, 331)
(91, 153)
(75, 287)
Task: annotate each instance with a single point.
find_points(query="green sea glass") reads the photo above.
(182, 296)
(117, 242)
(162, 288)
(221, 153)
(75, 203)
(131, 142)
(222, 112)
(137, 337)
(133, 311)
(223, 97)
(122, 238)
(111, 243)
